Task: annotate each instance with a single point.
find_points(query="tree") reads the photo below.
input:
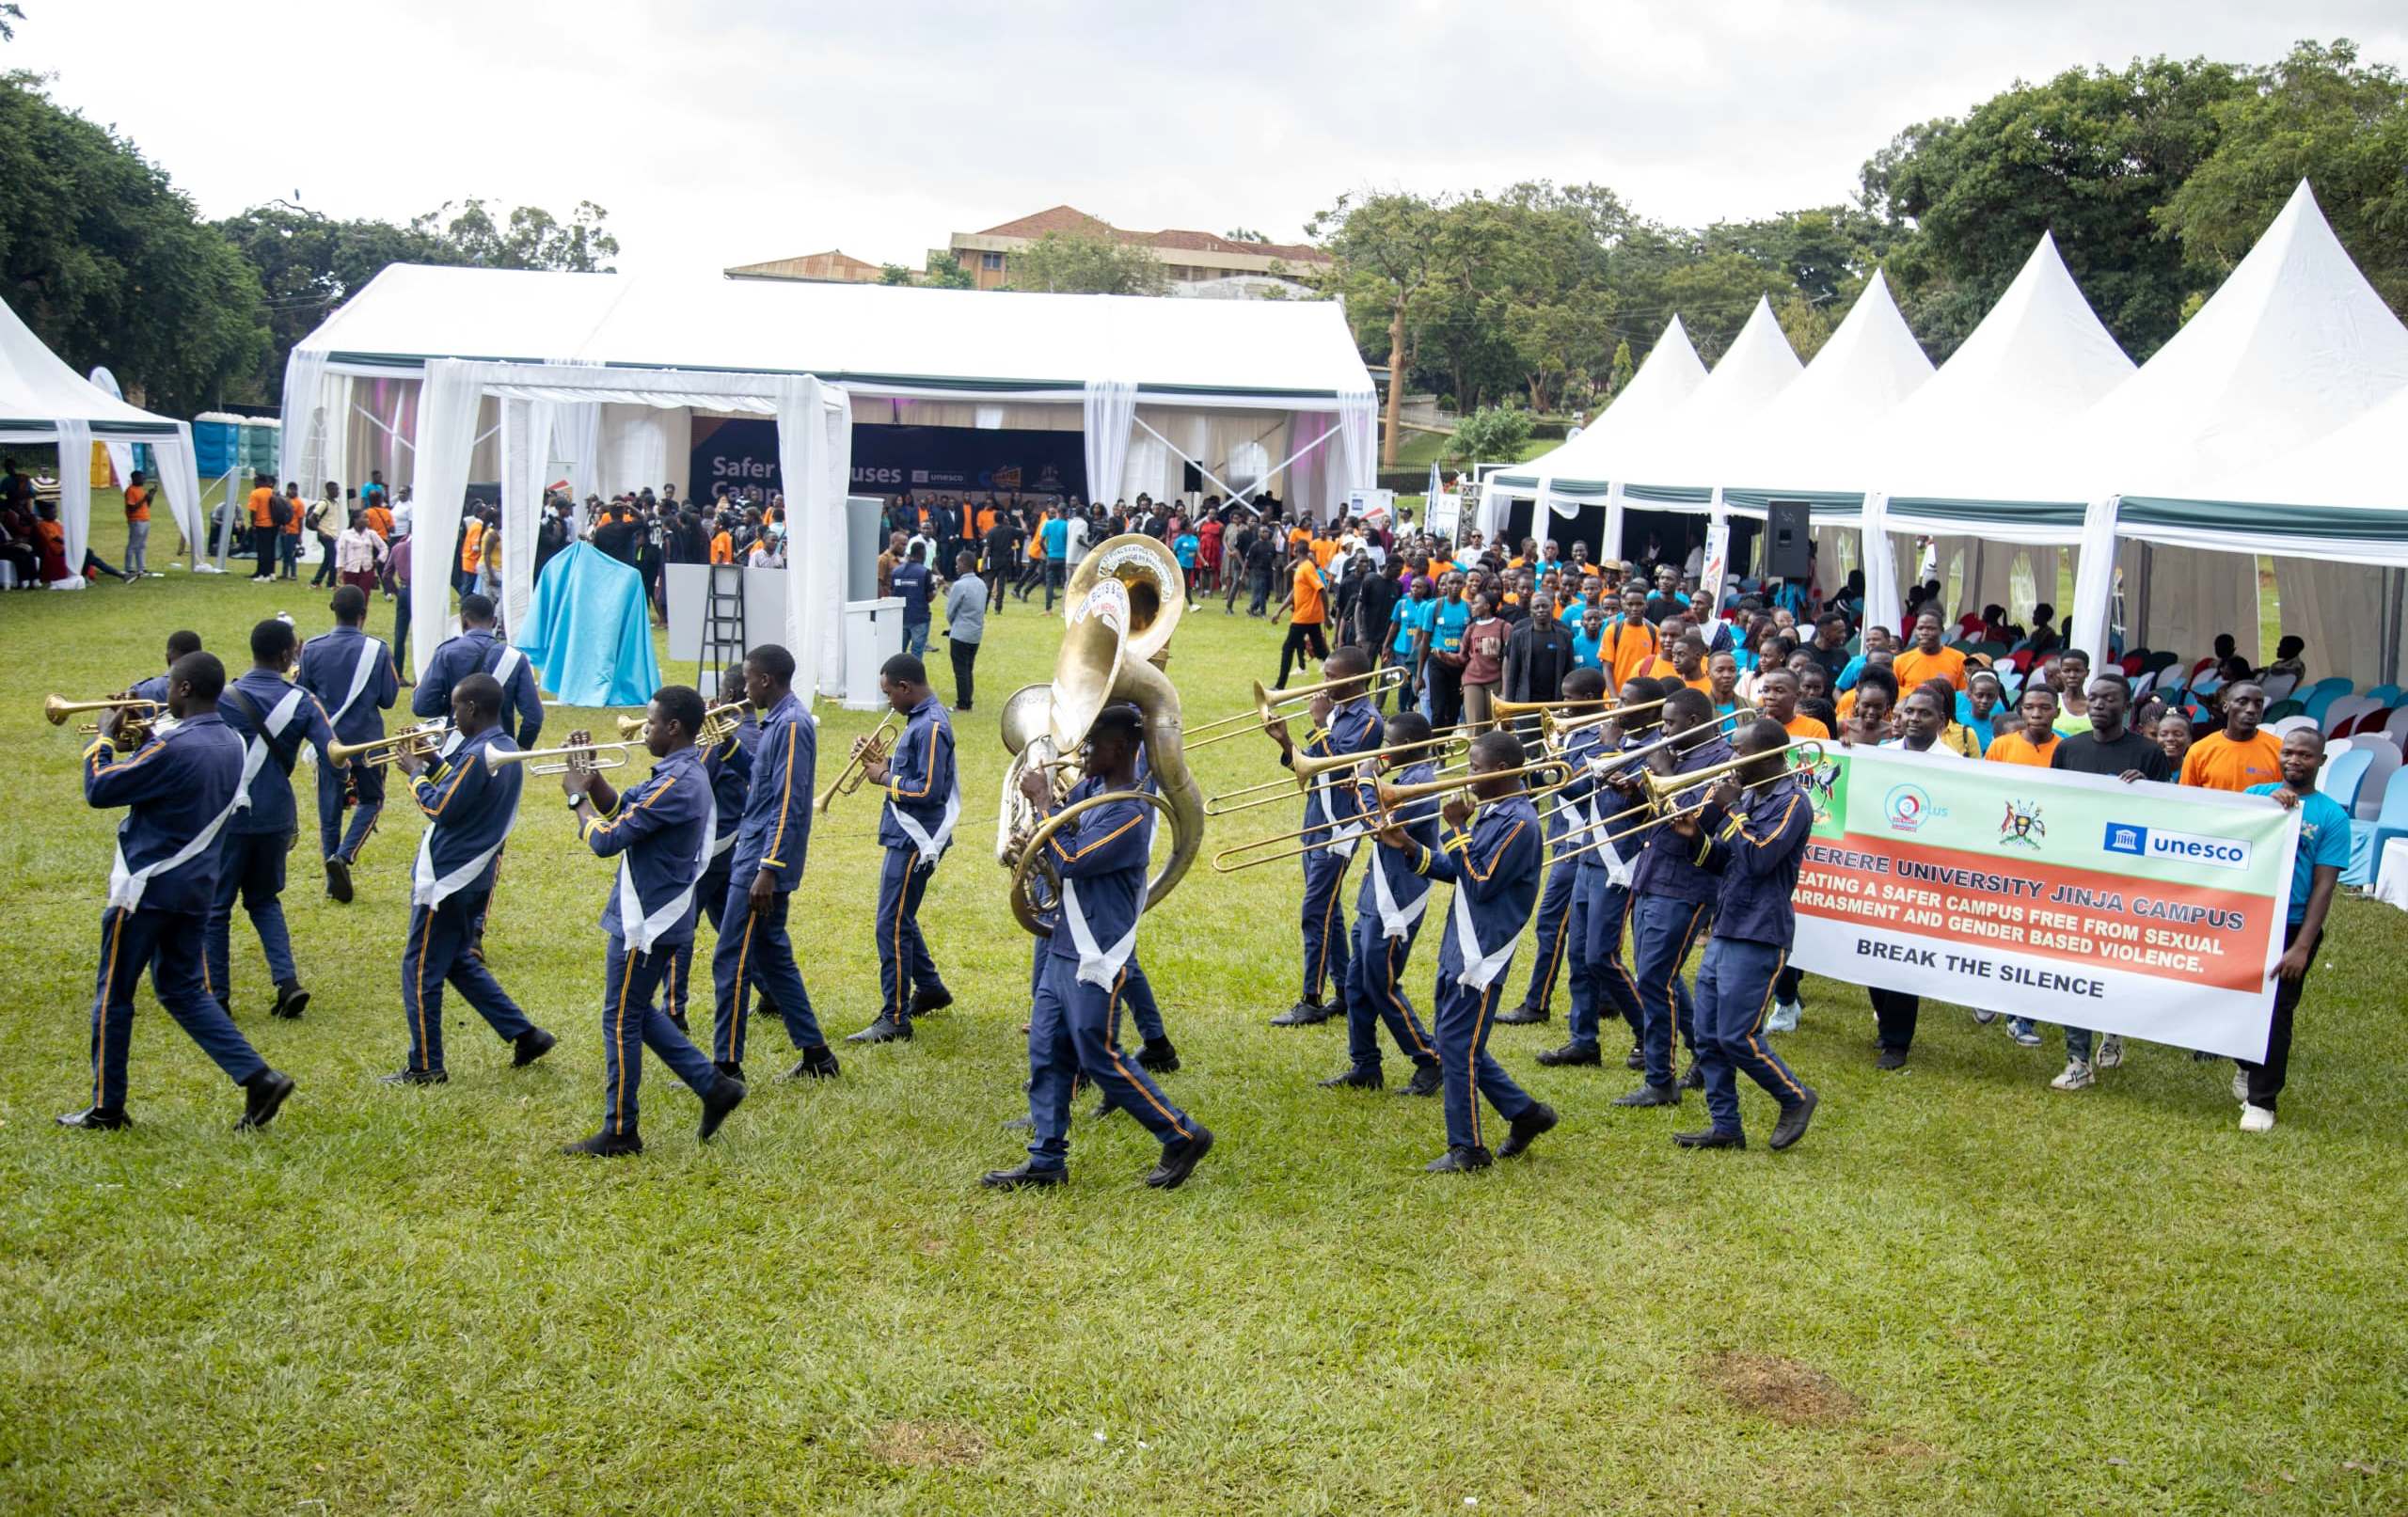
(9, 15)
(943, 271)
(307, 264)
(1619, 377)
(1387, 252)
(1806, 325)
(1081, 262)
(1491, 433)
(532, 238)
(104, 258)
(2321, 116)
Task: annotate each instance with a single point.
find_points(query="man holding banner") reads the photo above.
(2323, 853)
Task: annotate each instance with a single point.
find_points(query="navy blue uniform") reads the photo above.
(180, 791)
(1388, 908)
(775, 835)
(469, 812)
(1755, 852)
(1554, 910)
(915, 826)
(252, 849)
(1675, 907)
(353, 677)
(1601, 901)
(730, 767)
(662, 832)
(1495, 865)
(1353, 728)
(1073, 1019)
(477, 651)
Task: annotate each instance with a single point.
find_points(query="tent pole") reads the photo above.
(2395, 585)
(2136, 631)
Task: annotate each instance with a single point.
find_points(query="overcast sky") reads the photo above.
(721, 131)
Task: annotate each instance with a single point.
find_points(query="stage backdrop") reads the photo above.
(2146, 910)
(890, 460)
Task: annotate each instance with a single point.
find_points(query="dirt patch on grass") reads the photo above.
(927, 1445)
(1782, 1389)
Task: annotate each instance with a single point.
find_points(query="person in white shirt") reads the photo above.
(1074, 542)
(402, 511)
(359, 554)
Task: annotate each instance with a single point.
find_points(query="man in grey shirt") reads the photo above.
(965, 622)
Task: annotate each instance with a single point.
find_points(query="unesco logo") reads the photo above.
(1909, 807)
(2176, 848)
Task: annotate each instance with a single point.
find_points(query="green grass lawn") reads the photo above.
(1963, 1292)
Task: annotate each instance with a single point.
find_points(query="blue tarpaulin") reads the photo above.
(590, 631)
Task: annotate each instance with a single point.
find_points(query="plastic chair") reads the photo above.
(2396, 727)
(2131, 665)
(2317, 697)
(2290, 722)
(2383, 762)
(2163, 660)
(2281, 709)
(2141, 685)
(2392, 820)
(2343, 714)
(2342, 774)
(2372, 723)
(2277, 686)
(2387, 694)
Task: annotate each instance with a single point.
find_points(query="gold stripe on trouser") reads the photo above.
(619, 1043)
(1111, 1047)
(1563, 936)
(1397, 1000)
(1757, 1026)
(902, 971)
(743, 950)
(1471, 1060)
(417, 987)
(1320, 968)
(109, 985)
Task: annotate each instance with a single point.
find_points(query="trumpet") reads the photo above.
(140, 713)
(1267, 705)
(881, 742)
(1303, 771)
(1662, 788)
(377, 752)
(718, 724)
(558, 760)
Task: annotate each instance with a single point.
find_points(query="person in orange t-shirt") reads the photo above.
(138, 525)
(1323, 546)
(377, 519)
(1777, 698)
(1926, 659)
(2241, 755)
(2036, 744)
(1306, 604)
(264, 527)
(1629, 647)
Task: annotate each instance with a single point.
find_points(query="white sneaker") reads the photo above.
(1983, 1016)
(2111, 1050)
(1785, 1017)
(2257, 1119)
(2078, 1076)
(2240, 1086)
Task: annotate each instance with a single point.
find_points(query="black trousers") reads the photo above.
(1302, 636)
(1785, 983)
(1446, 692)
(263, 543)
(2266, 1079)
(965, 657)
(1894, 1014)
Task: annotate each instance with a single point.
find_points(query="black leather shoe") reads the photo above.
(1794, 1118)
(338, 881)
(677, 1020)
(1158, 1057)
(1179, 1158)
(1651, 1095)
(97, 1119)
(925, 1002)
(1361, 1077)
(1637, 1060)
(884, 1030)
(1426, 1081)
(291, 1001)
(725, 1095)
(1022, 1178)
(607, 1145)
(1571, 1053)
(1526, 1130)
(416, 1077)
(819, 1062)
(1522, 1016)
(1304, 1014)
(1892, 1059)
(733, 1071)
(1710, 1138)
(1692, 1078)
(263, 1095)
(1458, 1161)
(530, 1046)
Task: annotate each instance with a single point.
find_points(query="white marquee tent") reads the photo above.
(42, 401)
(1580, 472)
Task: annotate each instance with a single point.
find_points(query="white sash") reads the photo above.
(255, 750)
(642, 931)
(1480, 967)
(126, 886)
(507, 664)
(1342, 835)
(1395, 921)
(929, 844)
(360, 675)
(1097, 967)
(428, 890)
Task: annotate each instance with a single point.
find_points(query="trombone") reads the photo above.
(1517, 710)
(560, 760)
(1307, 770)
(55, 709)
(1303, 771)
(1553, 728)
(1662, 788)
(1268, 704)
(856, 769)
(379, 751)
(718, 724)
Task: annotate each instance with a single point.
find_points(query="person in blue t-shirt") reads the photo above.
(2316, 869)
(1588, 640)
(1184, 549)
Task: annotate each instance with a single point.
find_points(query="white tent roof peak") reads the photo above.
(36, 384)
(1813, 435)
(1664, 383)
(1758, 366)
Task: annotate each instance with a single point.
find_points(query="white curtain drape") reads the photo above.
(2337, 609)
(815, 467)
(2183, 597)
(306, 419)
(1110, 414)
(634, 449)
(525, 462)
(1881, 602)
(577, 442)
(172, 457)
(447, 407)
(75, 498)
(1611, 546)
(1358, 443)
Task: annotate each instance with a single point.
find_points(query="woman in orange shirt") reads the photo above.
(2037, 742)
(137, 527)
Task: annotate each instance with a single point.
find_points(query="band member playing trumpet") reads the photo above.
(274, 718)
(154, 688)
(469, 805)
(1555, 944)
(1491, 855)
(1101, 856)
(770, 846)
(663, 832)
(1752, 839)
(1675, 897)
(1601, 887)
(1388, 908)
(1343, 722)
(351, 675)
(180, 789)
(478, 650)
(914, 828)
(729, 765)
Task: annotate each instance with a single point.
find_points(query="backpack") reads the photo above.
(279, 510)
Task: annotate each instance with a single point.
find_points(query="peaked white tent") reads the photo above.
(42, 401)
(1578, 474)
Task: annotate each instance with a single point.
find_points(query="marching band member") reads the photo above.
(1752, 839)
(1101, 861)
(1388, 908)
(663, 832)
(1343, 722)
(729, 766)
(914, 828)
(469, 810)
(1675, 905)
(1601, 891)
(351, 675)
(770, 844)
(1492, 856)
(179, 790)
(155, 686)
(1555, 903)
(478, 651)
(274, 718)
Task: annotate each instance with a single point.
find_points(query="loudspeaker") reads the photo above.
(1787, 542)
(1191, 479)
